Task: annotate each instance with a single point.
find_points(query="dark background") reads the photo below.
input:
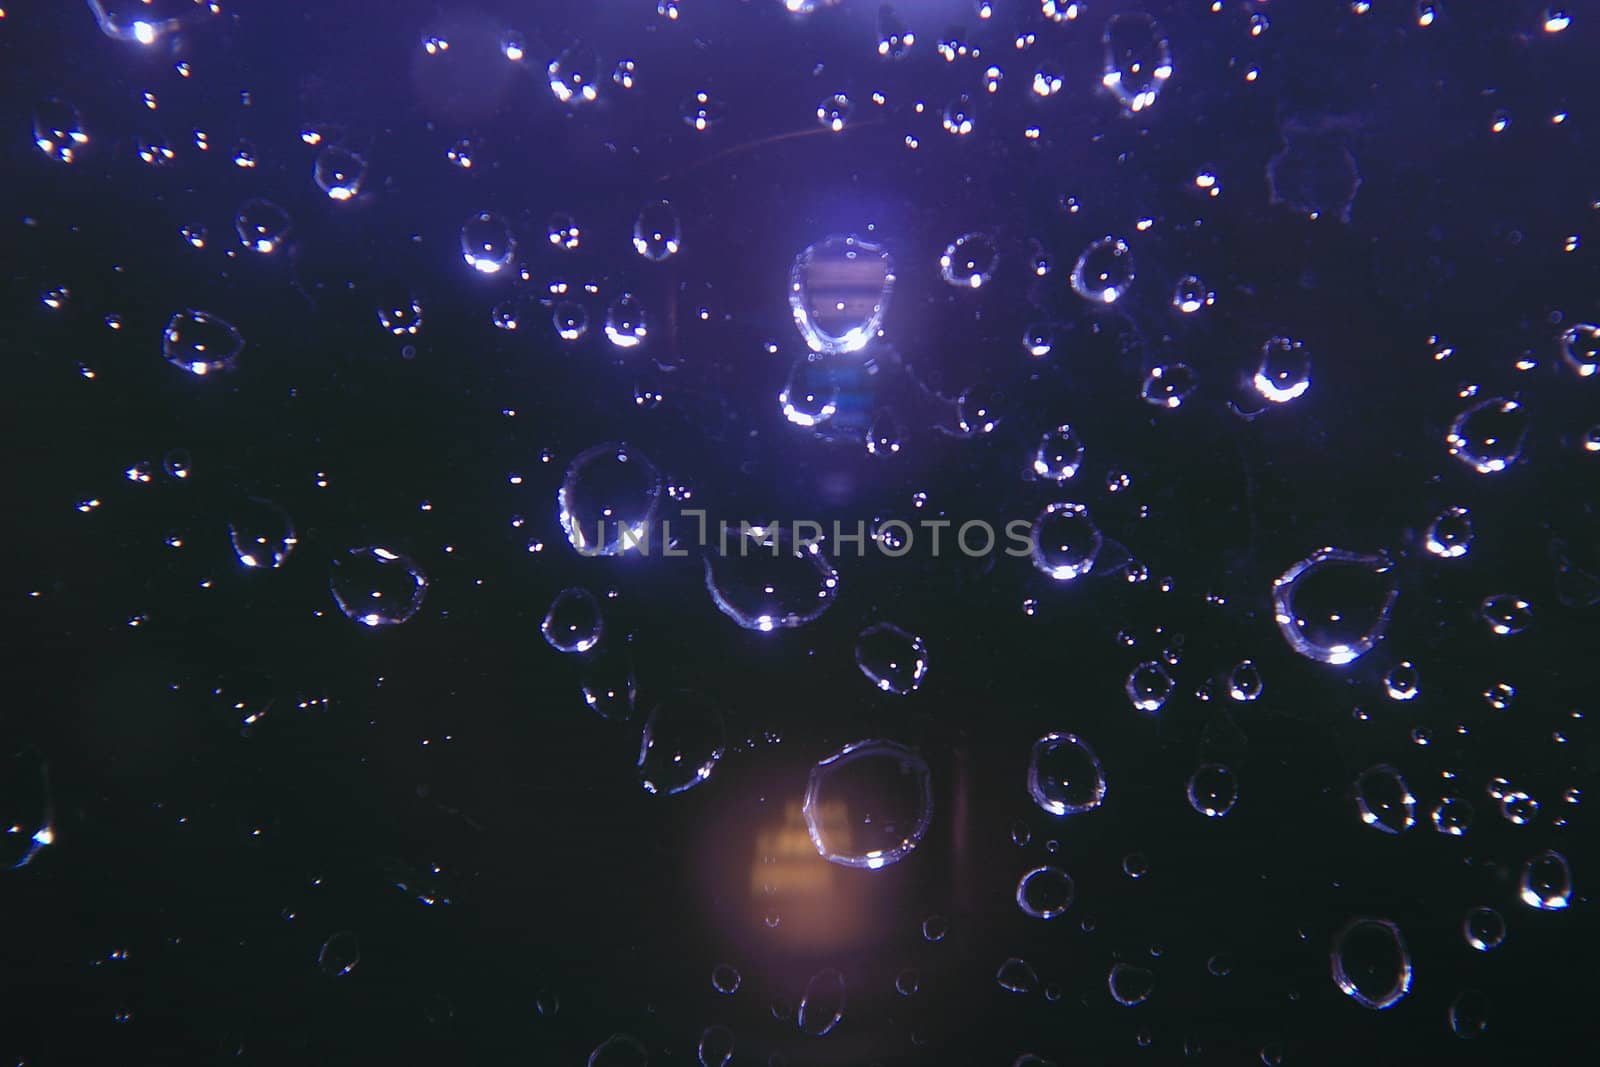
(219, 859)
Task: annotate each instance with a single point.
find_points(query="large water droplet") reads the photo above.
(262, 226)
(619, 1050)
(767, 581)
(625, 323)
(1059, 455)
(262, 534)
(1546, 882)
(1138, 60)
(1484, 928)
(1580, 348)
(680, 745)
(1370, 963)
(1103, 271)
(1148, 686)
(574, 622)
(1045, 892)
(339, 172)
(1384, 801)
(1488, 436)
(1334, 605)
(838, 290)
(970, 261)
(1065, 776)
(868, 804)
(657, 234)
(1065, 541)
(608, 501)
(1130, 986)
(1285, 370)
(1017, 976)
(200, 342)
(1213, 790)
(574, 75)
(487, 244)
(892, 659)
(377, 586)
(822, 1004)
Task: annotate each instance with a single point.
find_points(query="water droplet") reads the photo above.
(377, 586)
(262, 534)
(619, 1050)
(574, 622)
(625, 323)
(339, 172)
(886, 435)
(1130, 986)
(1505, 615)
(906, 983)
(1148, 687)
(767, 581)
(1488, 436)
(1580, 347)
(868, 804)
(1103, 271)
(1059, 455)
(487, 244)
(1518, 808)
(262, 226)
(1285, 370)
(656, 231)
(1334, 605)
(969, 261)
(958, 116)
(1546, 882)
(1370, 963)
(58, 130)
(1452, 816)
(1017, 976)
(339, 954)
(822, 1004)
(1065, 776)
(680, 745)
(701, 111)
(27, 809)
(574, 75)
(834, 112)
(570, 320)
(838, 290)
(1484, 928)
(1065, 541)
(1245, 682)
(934, 928)
(892, 659)
(608, 501)
(1500, 695)
(810, 397)
(716, 1047)
(725, 979)
(1138, 60)
(1169, 386)
(894, 39)
(1045, 892)
(1469, 1015)
(1402, 682)
(1190, 295)
(1384, 801)
(608, 684)
(200, 342)
(1449, 534)
(400, 312)
(1213, 790)
(564, 232)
